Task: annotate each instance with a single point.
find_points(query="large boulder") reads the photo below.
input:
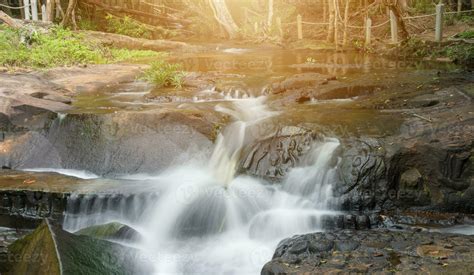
(427, 165)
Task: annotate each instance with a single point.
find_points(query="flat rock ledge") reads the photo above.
(373, 251)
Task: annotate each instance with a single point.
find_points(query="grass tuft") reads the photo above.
(164, 74)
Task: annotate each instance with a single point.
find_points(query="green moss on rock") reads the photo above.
(51, 250)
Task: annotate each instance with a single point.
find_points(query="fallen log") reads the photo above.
(9, 21)
(131, 43)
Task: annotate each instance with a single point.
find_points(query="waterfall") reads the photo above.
(200, 217)
(246, 113)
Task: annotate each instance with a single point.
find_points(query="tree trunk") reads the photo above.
(399, 14)
(59, 9)
(223, 16)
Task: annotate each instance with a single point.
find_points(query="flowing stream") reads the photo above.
(201, 217)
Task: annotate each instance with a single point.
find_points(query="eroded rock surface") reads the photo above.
(273, 157)
(373, 251)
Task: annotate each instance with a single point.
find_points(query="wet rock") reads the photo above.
(299, 81)
(372, 251)
(411, 178)
(428, 165)
(428, 100)
(93, 78)
(28, 100)
(362, 171)
(25, 209)
(111, 144)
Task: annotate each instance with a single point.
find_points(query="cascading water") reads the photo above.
(202, 218)
(246, 113)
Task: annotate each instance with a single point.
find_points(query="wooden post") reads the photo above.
(279, 26)
(50, 9)
(459, 6)
(331, 9)
(336, 27)
(270, 14)
(44, 14)
(368, 32)
(439, 22)
(346, 22)
(26, 4)
(299, 22)
(34, 10)
(394, 26)
(325, 11)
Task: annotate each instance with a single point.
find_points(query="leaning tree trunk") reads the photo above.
(9, 21)
(69, 12)
(398, 11)
(223, 16)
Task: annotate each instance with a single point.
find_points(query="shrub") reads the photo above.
(467, 34)
(58, 47)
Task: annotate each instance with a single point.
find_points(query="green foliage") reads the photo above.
(164, 74)
(58, 47)
(127, 26)
(424, 6)
(461, 52)
(467, 34)
(86, 24)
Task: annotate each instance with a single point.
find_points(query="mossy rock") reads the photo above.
(51, 250)
(112, 231)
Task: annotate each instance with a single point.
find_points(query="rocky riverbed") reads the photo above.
(403, 162)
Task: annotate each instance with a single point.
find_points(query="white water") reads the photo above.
(67, 172)
(201, 218)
